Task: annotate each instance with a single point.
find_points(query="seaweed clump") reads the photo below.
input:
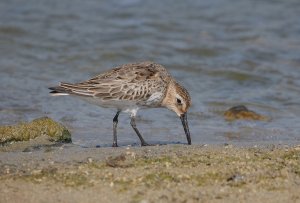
(39, 127)
(242, 112)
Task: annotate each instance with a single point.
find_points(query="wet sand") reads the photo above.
(169, 173)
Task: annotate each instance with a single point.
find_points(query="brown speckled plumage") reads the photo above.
(130, 87)
(137, 81)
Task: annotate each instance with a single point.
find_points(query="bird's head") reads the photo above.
(178, 100)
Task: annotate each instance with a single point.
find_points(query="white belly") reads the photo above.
(123, 105)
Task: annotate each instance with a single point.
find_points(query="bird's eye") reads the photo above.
(178, 101)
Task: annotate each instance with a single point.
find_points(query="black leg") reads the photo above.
(115, 123)
(132, 122)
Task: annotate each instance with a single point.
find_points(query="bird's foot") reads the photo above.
(146, 144)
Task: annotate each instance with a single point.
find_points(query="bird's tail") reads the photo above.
(58, 91)
(71, 89)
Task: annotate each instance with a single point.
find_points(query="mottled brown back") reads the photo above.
(137, 81)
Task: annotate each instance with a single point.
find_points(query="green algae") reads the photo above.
(38, 127)
(157, 179)
(67, 178)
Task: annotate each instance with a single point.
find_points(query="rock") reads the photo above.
(36, 128)
(120, 161)
(242, 112)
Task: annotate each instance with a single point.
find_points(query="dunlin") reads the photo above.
(131, 87)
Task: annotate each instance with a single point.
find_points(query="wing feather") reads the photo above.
(128, 82)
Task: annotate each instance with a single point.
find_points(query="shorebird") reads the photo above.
(131, 87)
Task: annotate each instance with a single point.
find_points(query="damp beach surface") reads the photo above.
(48, 168)
(170, 173)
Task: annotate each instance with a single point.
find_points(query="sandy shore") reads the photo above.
(169, 173)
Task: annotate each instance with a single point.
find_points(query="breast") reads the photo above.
(154, 100)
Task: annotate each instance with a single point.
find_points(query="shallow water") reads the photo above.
(226, 53)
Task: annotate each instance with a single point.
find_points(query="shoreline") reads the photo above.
(168, 173)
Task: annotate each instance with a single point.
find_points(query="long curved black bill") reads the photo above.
(184, 121)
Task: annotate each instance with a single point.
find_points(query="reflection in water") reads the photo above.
(225, 52)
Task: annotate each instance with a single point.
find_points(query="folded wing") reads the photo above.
(128, 82)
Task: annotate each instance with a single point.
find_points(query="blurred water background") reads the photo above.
(225, 52)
